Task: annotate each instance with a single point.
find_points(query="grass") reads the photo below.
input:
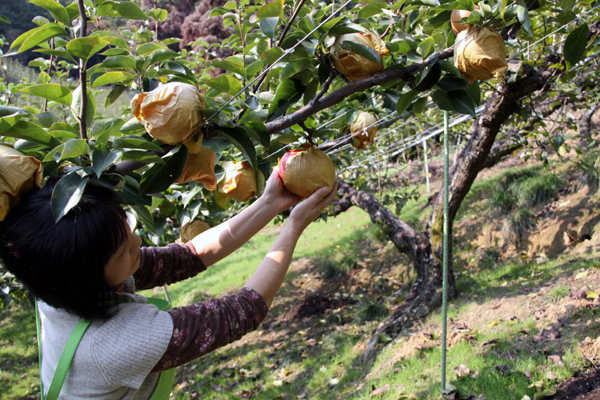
(320, 357)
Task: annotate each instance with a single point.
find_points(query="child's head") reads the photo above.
(63, 263)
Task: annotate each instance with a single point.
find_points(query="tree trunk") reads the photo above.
(425, 249)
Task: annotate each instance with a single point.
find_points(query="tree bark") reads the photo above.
(583, 127)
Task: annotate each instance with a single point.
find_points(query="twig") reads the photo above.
(309, 131)
(289, 25)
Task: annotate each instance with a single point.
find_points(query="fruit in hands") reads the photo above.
(304, 171)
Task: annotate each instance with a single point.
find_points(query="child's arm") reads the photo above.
(222, 240)
(203, 327)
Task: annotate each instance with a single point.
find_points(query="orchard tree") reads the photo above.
(280, 90)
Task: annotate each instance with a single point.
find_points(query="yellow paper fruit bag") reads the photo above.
(193, 229)
(480, 55)
(169, 113)
(200, 167)
(305, 171)
(18, 175)
(363, 137)
(239, 182)
(353, 66)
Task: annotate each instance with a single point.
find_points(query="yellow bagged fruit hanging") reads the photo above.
(193, 229)
(169, 113)
(239, 182)
(480, 54)
(200, 167)
(18, 175)
(305, 171)
(353, 66)
(363, 137)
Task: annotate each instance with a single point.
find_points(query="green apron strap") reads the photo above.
(65, 359)
(166, 379)
(38, 325)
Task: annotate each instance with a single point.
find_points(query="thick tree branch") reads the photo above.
(339, 95)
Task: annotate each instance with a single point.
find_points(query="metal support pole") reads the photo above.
(426, 165)
(445, 254)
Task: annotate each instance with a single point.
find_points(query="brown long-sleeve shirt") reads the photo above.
(202, 327)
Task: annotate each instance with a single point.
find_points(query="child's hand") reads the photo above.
(307, 211)
(277, 195)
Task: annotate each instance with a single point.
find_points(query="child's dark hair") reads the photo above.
(63, 263)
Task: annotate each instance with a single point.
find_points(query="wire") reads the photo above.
(285, 53)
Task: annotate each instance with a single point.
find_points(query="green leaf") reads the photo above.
(67, 193)
(523, 16)
(102, 158)
(108, 125)
(69, 149)
(217, 145)
(440, 97)
(431, 76)
(91, 105)
(268, 26)
(229, 66)
(475, 92)
(288, 92)
(160, 176)
(368, 11)
(124, 9)
(86, 47)
(575, 45)
(269, 10)
(28, 131)
(263, 135)
(4, 19)
(461, 102)
(161, 55)
(363, 51)
(272, 55)
(36, 36)
(142, 156)
(419, 106)
(293, 68)
(242, 142)
(255, 68)
(56, 53)
(503, 7)
(426, 47)
(135, 143)
(51, 91)
(448, 84)
(5, 111)
(132, 126)
(142, 214)
(404, 101)
(113, 77)
(225, 84)
(114, 94)
(55, 9)
(125, 62)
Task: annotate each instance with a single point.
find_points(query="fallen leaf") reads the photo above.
(551, 333)
(333, 381)
(385, 338)
(550, 375)
(591, 295)
(493, 323)
(381, 390)
(556, 360)
(527, 374)
(278, 383)
(582, 275)
(462, 370)
(475, 374)
(544, 394)
(490, 343)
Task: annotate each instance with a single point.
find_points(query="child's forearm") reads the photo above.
(269, 275)
(222, 240)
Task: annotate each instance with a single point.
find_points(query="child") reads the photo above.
(87, 267)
